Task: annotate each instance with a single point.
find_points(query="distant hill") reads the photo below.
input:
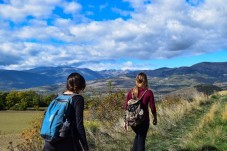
(162, 80)
(214, 69)
(165, 80)
(11, 79)
(60, 73)
(42, 76)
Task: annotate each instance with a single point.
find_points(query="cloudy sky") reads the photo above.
(112, 34)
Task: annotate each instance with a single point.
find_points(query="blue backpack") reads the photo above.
(56, 122)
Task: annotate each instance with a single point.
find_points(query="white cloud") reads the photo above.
(43, 33)
(162, 29)
(128, 65)
(18, 10)
(121, 12)
(137, 4)
(71, 7)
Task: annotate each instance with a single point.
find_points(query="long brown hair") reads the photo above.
(140, 82)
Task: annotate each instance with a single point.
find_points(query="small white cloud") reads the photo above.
(121, 12)
(136, 4)
(71, 7)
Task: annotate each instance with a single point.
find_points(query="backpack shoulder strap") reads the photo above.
(143, 95)
(70, 103)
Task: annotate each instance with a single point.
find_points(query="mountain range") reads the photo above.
(162, 80)
(166, 80)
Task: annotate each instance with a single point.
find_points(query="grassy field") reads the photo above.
(12, 123)
(199, 125)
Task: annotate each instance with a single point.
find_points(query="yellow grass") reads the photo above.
(209, 117)
(170, 111)
(224, 113)
(222, 92)
(5, 139)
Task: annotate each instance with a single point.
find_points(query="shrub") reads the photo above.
(31, 136)
(111, 107)
(207, 89)
(214, 96)
(3, 100)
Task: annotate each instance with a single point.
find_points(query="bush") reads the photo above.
(111, 107)
(207, 89)
(31, 136)
(214, 96)
(3, 100)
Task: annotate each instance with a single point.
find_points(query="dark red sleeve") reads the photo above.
(152, 104)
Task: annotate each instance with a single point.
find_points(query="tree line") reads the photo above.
(23, 100)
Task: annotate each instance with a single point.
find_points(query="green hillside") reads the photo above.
(202, 128)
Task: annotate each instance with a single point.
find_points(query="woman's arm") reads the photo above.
(79, 112)
(153, 108)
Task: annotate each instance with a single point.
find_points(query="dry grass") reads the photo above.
(222, 93)
(224, 113)
(209, 117)
(7, 138)
(173, 108)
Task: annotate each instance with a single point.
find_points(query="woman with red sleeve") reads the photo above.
(141, 90)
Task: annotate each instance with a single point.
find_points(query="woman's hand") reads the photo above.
(155, 121)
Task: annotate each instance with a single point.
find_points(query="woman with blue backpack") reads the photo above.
(137, 113)
(69, 133)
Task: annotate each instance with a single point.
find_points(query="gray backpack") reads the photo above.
(134, 114)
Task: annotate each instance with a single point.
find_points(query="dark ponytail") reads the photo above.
(75, 82)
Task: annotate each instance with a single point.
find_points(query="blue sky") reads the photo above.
(112, 34)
